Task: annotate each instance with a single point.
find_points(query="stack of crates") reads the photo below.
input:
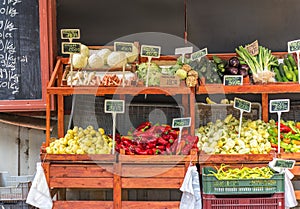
(14, 191)
(242, 193)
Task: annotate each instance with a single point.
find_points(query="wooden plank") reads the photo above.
(105, 183)
(151, 183)
(235, 158)
(153, 171)
(82, 204)
(159, 159)
(69, 158)
(272, 88)
(82, 171)
(117, 195)
(150, 204)
(297, 193)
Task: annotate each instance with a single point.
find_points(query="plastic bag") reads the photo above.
(39, 194)
(191, 196)
(289, 194)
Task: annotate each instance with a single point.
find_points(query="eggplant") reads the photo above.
(244, 70)
(234, 62)
(232, 70)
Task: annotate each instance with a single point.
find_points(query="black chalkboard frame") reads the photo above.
(46, 28)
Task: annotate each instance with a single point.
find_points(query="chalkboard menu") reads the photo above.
(20, 74)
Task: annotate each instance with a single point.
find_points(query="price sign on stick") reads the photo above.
(183, 51)
(233, 80)
(199, 54)
(123, 47)
(279, 106)
(71, 48)
(70, 34)
(243, 106)
(294, 46)
(181, 123)
(150, 52)
(114, 107)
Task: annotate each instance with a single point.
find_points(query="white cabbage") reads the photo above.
(103, 53)
(131, 56)
(116, 59)
(79, 61)
(95, 61)
(84, 50)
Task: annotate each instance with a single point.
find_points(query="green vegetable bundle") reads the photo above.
(261, 65)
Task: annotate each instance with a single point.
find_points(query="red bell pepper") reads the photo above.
(142, 127)
(162, 141)
(139, 151)
(284, 128)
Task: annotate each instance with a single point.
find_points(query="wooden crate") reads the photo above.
(65, 171)
(152, 172)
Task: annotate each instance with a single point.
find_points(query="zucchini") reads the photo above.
(282, 73)
(292, 61)
(288, 74)
(277, 75)
(288, 64)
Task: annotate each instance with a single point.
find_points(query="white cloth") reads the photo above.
(39, 193)
(191, 196)
(289, 193)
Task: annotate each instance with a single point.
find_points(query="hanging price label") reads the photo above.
(114, 106)
(233, 80)
(71, 48)
(150, 51)
(282, 163)
(70, 33)
(199, 54)
(279, 105)
(242, 105)
(123, 46)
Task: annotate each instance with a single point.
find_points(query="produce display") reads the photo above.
(226, 172)
(221, 137)
(289, 135)
(153, 139)
(82, 141)
(287, 71)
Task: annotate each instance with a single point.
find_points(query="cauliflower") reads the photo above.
(116, 59)
(79, 61)
(103, 53)
(95, 61)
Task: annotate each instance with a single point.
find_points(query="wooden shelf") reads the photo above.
(276, 88)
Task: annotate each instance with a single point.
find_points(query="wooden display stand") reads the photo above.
(121, 172)
(115, 172)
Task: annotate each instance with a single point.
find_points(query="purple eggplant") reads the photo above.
(233, 62)
(244, 70)
(232, 70)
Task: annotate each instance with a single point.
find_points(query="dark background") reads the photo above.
(219, 25)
